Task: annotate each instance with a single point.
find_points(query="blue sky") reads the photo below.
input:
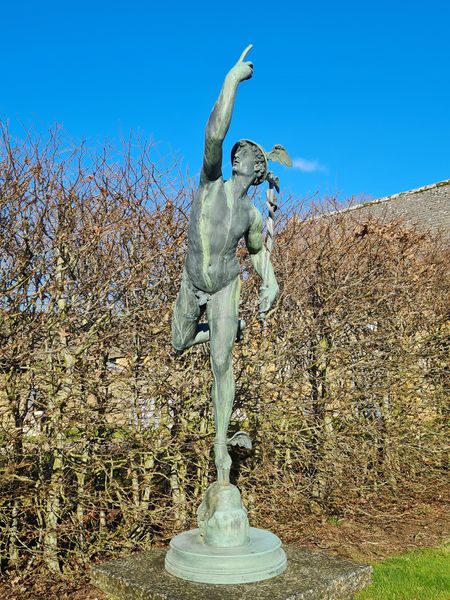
(358, 92)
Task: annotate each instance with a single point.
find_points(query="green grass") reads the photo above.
(419, 575)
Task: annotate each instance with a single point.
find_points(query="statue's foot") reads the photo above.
(241, 326)
(222, 461)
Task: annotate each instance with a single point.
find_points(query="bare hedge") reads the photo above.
(106, 434)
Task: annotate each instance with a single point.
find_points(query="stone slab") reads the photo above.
(309, 576)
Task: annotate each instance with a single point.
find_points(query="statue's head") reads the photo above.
(248, 158)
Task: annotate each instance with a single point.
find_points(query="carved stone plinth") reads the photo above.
(309, 576)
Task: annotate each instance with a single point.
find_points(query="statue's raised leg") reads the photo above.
(187, 312)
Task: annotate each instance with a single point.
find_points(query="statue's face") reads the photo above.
(244, 161)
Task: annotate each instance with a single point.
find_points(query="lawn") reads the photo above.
(418, 575)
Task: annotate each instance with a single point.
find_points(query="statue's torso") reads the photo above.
(217, 223)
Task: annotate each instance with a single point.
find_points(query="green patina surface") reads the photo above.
(221, 215)
(245, 554)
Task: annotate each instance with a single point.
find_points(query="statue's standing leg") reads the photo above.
(222, 313)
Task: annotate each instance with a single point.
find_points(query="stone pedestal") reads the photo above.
(309, 576)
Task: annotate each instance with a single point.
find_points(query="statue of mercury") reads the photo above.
(221, 215)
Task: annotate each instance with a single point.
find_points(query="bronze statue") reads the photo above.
(221, 215)
(224, 548)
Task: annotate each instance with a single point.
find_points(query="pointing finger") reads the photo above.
(244, 54)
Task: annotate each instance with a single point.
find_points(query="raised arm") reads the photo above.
(220, 118)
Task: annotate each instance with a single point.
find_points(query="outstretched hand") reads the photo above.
(243, 70)
(267, 296)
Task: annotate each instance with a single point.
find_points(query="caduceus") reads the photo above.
(279, 154)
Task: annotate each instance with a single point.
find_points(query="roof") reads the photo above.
(427, 207)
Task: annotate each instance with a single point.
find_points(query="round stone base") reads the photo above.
(262, 558)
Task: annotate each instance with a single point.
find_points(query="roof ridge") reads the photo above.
(383, 199)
